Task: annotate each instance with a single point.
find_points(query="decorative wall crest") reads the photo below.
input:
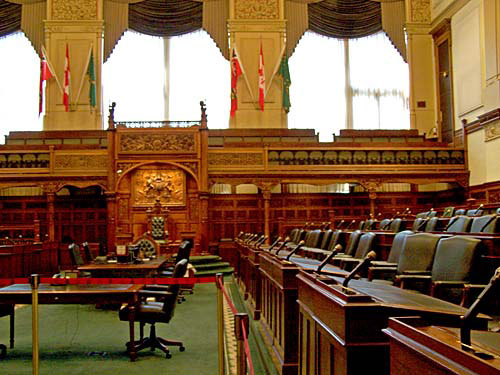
(78, 162)
(74, 10)
(235, 158)
(256, 9)
(421, 11)
(492, 131)
(167, 185)
(157, 142)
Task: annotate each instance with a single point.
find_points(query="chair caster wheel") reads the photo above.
(3, 351)
(181, 348)
(168, 355)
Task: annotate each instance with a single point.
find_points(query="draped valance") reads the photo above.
(10, 18)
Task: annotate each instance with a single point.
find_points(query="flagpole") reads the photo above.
(52, 71)
(83, 75)
(245, 76)
(275, 69)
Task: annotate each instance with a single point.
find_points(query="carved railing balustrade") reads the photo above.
(24, 160)
(156, 124)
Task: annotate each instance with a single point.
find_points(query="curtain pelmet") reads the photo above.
(10, 16)
(165, 17)
(345, 18)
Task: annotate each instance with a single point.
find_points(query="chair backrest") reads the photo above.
(313, 238)
(474, 212)
(184, 251)
(460, 211)
(335, 239)
(419, 224)
(485, 224)
(497, 211)
(352, 243)
(397, 246)
(325, 241)
(147, 246)
(455, 259)
(384, 224)
(158, 228)
(431, 224)
(397, 225)
(170, 302)
(87, 252)
(294, 234)
(418, 252)
(459, 224)
(74, 253)
(365, 244)
(448, 211)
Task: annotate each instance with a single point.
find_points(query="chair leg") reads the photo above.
(154, 342)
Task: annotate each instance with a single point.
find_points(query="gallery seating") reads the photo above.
(460, 223)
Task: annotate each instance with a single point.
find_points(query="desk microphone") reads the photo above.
(299, 245)
(340, 223)
(274, 243)
(372, 255)
(478, 209)
(351, 223)
(335, 251)
(287, 239)
(260, 242)
(474, 310)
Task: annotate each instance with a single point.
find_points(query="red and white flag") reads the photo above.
(46, 73)
(66, 81)
(235, 74)
(262, 80)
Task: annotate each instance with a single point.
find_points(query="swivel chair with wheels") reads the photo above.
(160, 311)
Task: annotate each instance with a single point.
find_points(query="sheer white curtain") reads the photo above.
(134, 78)
(198, 71)
(317, 92)
(19, 88)
(379, 81)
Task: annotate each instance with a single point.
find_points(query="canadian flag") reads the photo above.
(46, 73)
(262, 80)
(66, 81)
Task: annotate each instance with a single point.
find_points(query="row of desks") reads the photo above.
(315, 326)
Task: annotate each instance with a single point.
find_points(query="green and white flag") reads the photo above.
(285, 75)
(92, 88)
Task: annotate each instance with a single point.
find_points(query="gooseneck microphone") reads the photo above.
(276, 241)
(299, 245)
(372, 255)
(337, 249)
(287, 239)
(474, 309)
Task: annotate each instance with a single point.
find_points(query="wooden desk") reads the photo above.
(147, 269)
(418, 347)
(78, 294)
(340, 329)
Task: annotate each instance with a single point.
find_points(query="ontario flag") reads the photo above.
(66, 81)
(46, 73)
(235, 74)
(262, 80)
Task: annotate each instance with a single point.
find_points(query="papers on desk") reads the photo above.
(112, 261)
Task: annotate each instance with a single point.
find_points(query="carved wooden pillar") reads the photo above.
(372, 187)
(78, 25)
(203, 221)
(253, 24)
(111, 225)
(51, 196)
(266, 194)
(421, 65)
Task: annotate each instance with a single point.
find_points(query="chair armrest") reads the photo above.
(416, 273)
(470, 293)
(403, 280)
(439, 285)
(377, 272)
(382, 263)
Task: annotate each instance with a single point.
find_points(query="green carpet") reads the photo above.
(70, 333)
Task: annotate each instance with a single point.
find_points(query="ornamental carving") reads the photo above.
(421, 11)
(256, 9)
(74, 10)
(123, 208)
(493, 196)
(157, 142)
(492, 131)
(192, 166)
(165, 185)
(87, 162)
(235, 158)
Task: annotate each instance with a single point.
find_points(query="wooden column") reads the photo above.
(266, 194)
(111, 227)
(51, 215)
(203, 222)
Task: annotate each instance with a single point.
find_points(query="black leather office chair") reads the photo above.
(350, 247)
(183, 252)
(7, 310)
(160, 311)
(365, 245)
(76, 261)
(88, 254)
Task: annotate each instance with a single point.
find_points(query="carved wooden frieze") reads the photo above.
(421, 11)
(74, 9)
(167, 185)
(191, 165)
(256, 9)
(235, 159)
(492, 131)
(82, 161)
(144, 143)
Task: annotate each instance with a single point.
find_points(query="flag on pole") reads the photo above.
(46, 73)
(262, 80)
(285, 75)
(235, 74)
(66, 81)
(91, 74)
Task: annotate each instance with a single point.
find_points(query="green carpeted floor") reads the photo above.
(80, 339)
